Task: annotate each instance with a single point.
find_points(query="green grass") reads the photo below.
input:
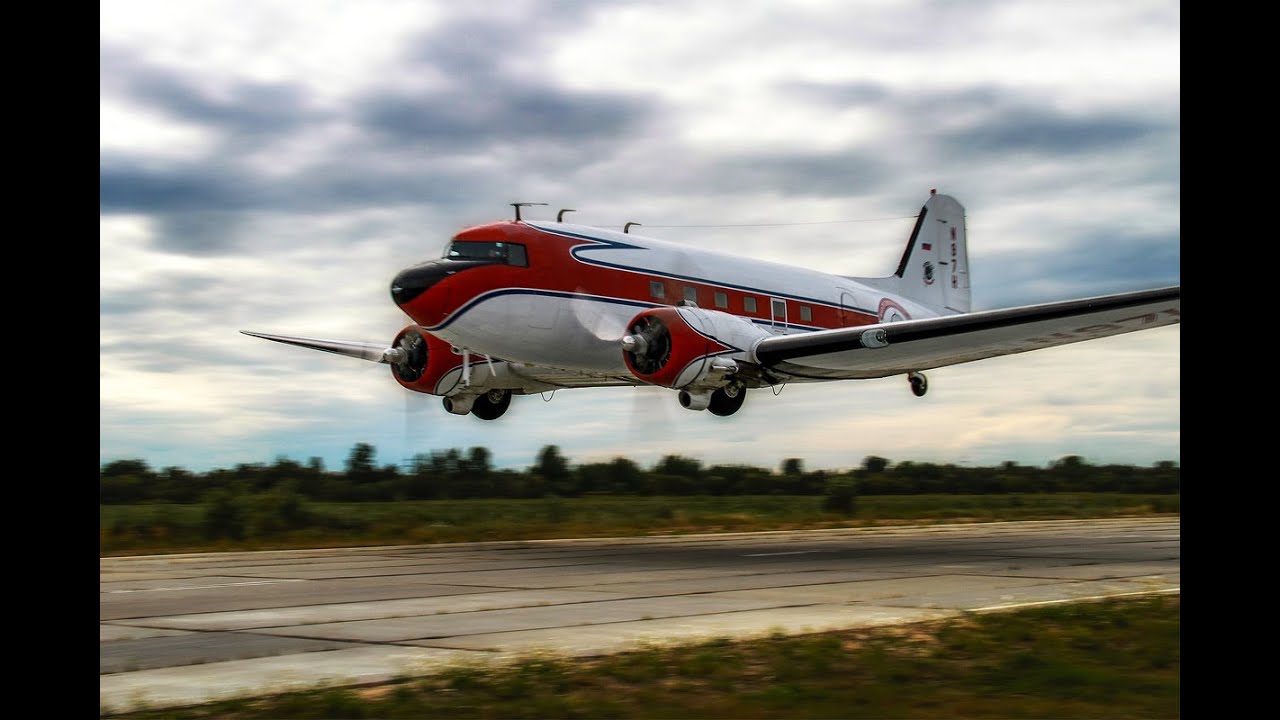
(1111, 659)
(172, 528)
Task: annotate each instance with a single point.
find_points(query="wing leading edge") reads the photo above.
(872, 351)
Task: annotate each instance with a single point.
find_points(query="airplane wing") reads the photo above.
(373, 352)
(872, 351)
(521, 377)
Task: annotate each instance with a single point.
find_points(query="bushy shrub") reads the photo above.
(841, 496)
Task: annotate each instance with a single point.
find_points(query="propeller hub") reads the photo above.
(648, 346)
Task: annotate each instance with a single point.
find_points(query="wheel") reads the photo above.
(491, 405)
(919, 384)
(725, 401)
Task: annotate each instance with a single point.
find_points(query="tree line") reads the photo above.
(455, 474)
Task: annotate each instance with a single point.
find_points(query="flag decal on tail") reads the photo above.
(926, 246)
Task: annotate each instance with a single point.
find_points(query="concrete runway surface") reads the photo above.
(186, 629)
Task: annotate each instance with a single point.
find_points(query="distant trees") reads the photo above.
(840, 496)
(283, 486)
(553, 469)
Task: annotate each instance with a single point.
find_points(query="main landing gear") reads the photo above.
(486, 406)
(919, 383)
(492, 405)
(727, 400)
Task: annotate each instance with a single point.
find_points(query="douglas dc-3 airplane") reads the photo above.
(521, 307)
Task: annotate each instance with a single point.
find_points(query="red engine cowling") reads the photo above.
(679, 347)
(428, 364)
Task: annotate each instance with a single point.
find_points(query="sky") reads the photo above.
(270, 166)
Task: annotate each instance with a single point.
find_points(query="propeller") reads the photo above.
(408, 357)
(594, 319)
(417, 425)
(651, 407)
(648, 345)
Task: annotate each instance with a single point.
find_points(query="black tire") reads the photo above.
(919, 385)
(727, 400)
(487, 408)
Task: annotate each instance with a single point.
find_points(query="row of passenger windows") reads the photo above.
(658, 291)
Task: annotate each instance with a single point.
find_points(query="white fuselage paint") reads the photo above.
(582, 330)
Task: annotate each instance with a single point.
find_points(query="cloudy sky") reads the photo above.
(271, 165)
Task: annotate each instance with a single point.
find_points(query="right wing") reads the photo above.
(871, 351)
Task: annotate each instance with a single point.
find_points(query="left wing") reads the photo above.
(872, 351)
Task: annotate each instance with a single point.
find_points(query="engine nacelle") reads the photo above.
(679, 347)
(427, 364)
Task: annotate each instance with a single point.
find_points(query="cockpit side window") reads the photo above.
(497, 252)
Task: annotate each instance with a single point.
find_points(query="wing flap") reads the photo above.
(884, 349)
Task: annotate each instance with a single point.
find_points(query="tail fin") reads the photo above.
(934, 270)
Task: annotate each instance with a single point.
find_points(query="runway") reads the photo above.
(185, 629)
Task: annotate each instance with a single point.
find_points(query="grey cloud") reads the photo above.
(492, 92)
(182, 291)
(826, 175)
(249, 109)
(445, 146)
(1049, 132)
(998, 120)
(511, 114)
(166, 355)
(1090, 265)
(849, 94)
(200, 204)
(199, 232)
(1137, 258)
(129, 185)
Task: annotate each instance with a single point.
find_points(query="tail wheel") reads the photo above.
(727, 400)
(919, 383)
(492, 405)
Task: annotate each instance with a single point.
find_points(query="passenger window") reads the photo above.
(749, 304)
(722, 300)
(691, 294)
(806, 314)
(656, 290)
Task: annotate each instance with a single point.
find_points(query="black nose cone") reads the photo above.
(414, 281)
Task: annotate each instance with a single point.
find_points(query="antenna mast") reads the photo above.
(517, 206)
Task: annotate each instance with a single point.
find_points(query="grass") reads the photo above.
(1118, 658)
(128, 529)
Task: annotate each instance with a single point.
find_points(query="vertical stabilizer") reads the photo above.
(934, 269)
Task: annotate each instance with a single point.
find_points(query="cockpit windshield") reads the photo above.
(497, 252)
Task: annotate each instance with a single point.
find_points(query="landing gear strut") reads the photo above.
(919, 383)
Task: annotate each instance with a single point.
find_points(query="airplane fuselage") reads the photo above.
(561, 295)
